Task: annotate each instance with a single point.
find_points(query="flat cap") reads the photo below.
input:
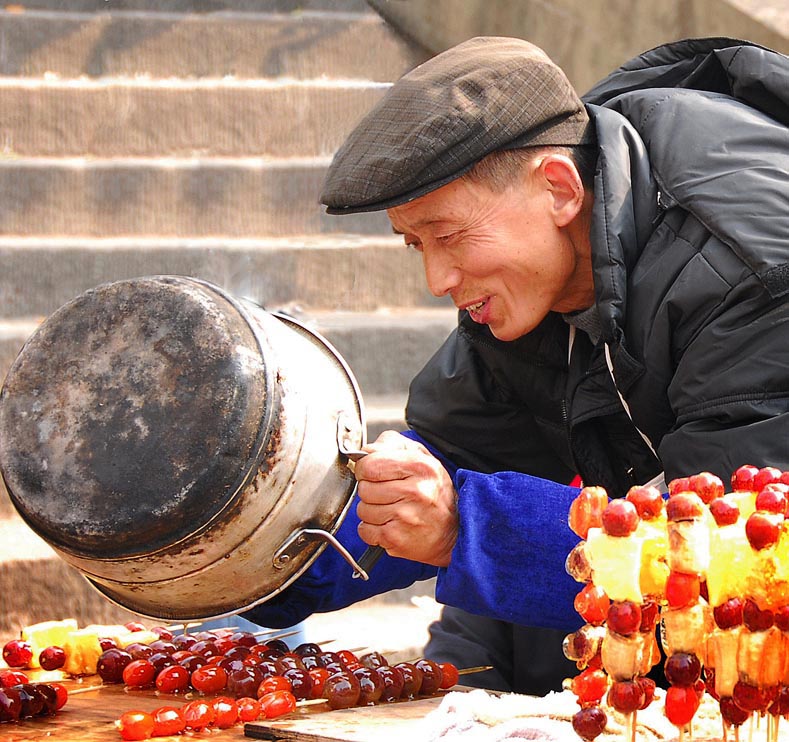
(439, 119)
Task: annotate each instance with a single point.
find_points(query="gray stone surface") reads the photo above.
(241, 41)
(237, 197)
(197, 6)
(186, 119)
(387, 348)
(341, 273)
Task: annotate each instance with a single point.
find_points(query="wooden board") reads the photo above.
(89, 716)
(391, 722)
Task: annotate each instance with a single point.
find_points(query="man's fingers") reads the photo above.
(387, 536)
(369, 534)
(394, 464)
(380, 513)
(381, 493)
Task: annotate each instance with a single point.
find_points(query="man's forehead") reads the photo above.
(437, 207)
(418, 224)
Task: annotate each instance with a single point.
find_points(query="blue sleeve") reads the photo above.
(508, 562)
(513, 540)
(328, 584)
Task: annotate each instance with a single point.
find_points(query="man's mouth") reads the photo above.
(478, 311)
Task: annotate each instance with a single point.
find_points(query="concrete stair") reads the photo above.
(247, 40)
(194, 141)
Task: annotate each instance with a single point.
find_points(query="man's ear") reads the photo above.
(565, 187)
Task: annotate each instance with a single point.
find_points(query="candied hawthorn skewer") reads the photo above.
(627, 652)
(687, 617)
(583, 646)
(762, 646)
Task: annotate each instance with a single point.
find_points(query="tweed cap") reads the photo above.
(439, 119)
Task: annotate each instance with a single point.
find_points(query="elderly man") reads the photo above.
(621, 268)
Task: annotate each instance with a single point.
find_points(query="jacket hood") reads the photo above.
(702, 124)
(744, 70)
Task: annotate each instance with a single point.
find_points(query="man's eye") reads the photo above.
(414, 246)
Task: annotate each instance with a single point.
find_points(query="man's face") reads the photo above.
(501, 256)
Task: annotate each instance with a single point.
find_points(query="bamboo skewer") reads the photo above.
(472, 670)
(278, 636)
(183, 626)
(311, 702)
(84, 689)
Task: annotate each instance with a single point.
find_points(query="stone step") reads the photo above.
(37, 585)
(194, 141)
(13, 335)
(17, 541)
(384, 350)
(180, 118)
(195, 6)
(245, 40)
(343, 272)
(185, 197)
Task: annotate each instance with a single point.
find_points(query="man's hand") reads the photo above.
(407, 501)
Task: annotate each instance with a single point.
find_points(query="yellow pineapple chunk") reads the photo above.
(130, 637)
(785, 678)
(120, 634)
(722, 656)
(83, 650)
(654, 567)
(616, 564)
(624, 657)
(732, 560)
(109, 631)
(781, 558)
(47, 634)
(745, 501)
(768, 581)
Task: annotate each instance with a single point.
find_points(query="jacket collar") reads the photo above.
(624, 211)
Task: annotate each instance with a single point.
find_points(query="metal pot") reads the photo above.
(178, 446)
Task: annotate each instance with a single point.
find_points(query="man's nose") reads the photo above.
(441, 274)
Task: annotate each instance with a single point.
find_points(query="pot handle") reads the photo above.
(302, 535)
(373, 553)
(368, 560)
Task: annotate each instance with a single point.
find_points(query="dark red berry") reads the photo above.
(589, 722)
(682, 669)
